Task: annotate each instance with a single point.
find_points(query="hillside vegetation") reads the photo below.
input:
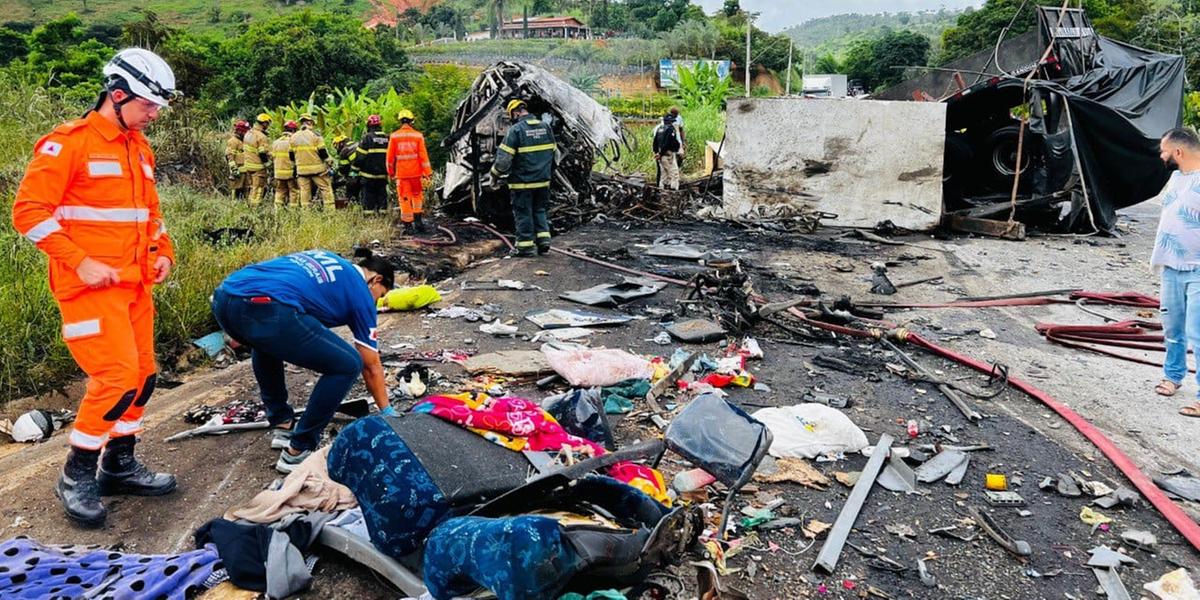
(835, 34)
(194, 15)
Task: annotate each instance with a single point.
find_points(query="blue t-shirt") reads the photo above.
(317, 282)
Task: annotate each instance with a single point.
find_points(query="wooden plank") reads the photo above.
(1014, 230)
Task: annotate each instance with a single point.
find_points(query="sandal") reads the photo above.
(1167, 388)
(1192, 410)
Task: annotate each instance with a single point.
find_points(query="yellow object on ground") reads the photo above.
(996, 482)
(409, 298)
(1091, 517)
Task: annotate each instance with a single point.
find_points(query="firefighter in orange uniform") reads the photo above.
(88, 200)
(408, 164)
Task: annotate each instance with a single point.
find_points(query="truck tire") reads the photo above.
(1001, 155)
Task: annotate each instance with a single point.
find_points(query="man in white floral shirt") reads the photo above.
(1177, 254)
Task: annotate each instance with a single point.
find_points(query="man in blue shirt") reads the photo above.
(283, 309)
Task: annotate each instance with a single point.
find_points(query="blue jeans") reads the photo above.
(277, 334)
(1180, 312)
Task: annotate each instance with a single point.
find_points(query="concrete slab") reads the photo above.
(866, 162)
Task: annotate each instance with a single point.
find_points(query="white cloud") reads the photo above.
(776, 15)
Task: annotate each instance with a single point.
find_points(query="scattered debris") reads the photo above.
(880, 284)
(814, 529)
(941, 465)
(498, 329)
(1184, 486)
(696, 331)
(614, 294)
(558, 318)
(510, 363)
(827, 559)
(897, 476)
(1176, 585)
(989, 526)
(1142, 540)
(811, 430)
(1104, 563)
(795, 470)
(1003, 498)
(39, 425)
(1093, 518)
(1122, 496)
(586, 367)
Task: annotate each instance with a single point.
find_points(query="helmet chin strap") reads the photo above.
(117, 108)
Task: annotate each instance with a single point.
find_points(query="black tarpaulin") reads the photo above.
(1106, 133)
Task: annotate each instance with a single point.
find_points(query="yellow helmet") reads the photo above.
(514, 104)
(406, 114)
(306, 117)
(338, 139)
(263, 118)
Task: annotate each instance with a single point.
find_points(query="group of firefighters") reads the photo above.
(301, 166)
(89, 202)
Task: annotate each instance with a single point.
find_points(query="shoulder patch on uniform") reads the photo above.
(50, 148)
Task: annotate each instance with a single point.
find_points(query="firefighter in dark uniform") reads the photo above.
(370, 160)
(527, 157)
(345, 175)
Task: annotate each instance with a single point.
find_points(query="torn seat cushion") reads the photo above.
(536, 556)
(400, 502)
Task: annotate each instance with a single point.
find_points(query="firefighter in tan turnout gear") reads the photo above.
(313, 163)
(256, 148)
(286, 191)
(233, 157)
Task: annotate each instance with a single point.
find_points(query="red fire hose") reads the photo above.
(1129, 332)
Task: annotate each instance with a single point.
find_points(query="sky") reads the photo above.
(776, 15)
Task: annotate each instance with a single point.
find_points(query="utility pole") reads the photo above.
(788, 89)
(747, 67)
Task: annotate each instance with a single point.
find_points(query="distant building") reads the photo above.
(546, 27)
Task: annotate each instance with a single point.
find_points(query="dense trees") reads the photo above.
(873, 63)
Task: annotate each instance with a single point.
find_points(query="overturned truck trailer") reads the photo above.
(584, 130)
(946, 143)
(1097, 109)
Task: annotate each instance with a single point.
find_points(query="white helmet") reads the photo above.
(141, 73)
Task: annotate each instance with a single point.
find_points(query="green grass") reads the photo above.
(194, 15)
(702, 124)
(32, 356)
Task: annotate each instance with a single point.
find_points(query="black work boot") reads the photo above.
(407, 229)
(78, 490)
(522, 252)
(122, 474)
(543, 247)
(419, 224)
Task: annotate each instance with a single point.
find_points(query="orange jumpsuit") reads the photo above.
(89, 192)
(407, 163)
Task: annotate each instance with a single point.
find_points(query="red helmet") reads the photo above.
(373, 120)
(290, 126)
(242, 126)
